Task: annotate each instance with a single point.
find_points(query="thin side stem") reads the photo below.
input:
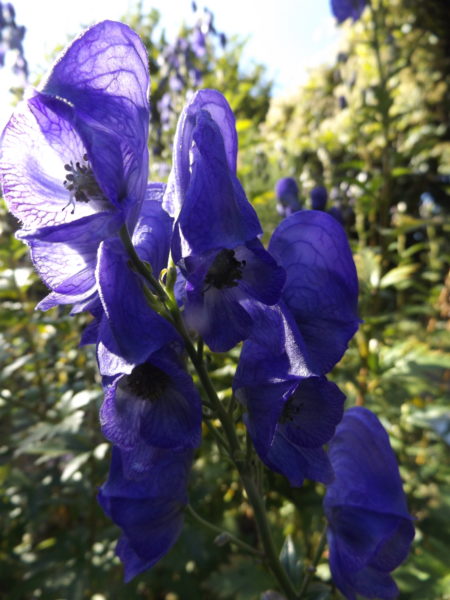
(312, 569)
(229, 536)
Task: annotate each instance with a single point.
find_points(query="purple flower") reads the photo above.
(319, 197)
(215, 243)
(321, 289)
(290, 412)
(288, 202)
(155, 405)
(370, 529)
(291, 409)
(74, 160)
(149, 508)
(344, 9)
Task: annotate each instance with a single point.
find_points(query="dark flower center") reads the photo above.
(291, 410)
(81, 183)
(225, 271)
(147, 382)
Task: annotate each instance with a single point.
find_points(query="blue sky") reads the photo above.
(289, 36)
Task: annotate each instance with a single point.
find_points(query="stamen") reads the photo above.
(225, 271)
(291, 410)
(81, 184)
(147, 382)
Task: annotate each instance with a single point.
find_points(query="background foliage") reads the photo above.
(373, 128)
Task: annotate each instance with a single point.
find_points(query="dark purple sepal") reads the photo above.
(275, 350)
(137, 329)
(152, 233)
(289, 422)
(218, 317)
(263, 278)
(321, 288)
(149, 509)
(369, 528)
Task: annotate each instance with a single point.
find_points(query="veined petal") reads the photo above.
(103, 74)
(321, 288)
(37, 142)
(216, 105)
(65, 256)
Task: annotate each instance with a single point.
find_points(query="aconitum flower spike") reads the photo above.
(344, 9)
(369, 528)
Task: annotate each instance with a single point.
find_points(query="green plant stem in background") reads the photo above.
(312, 568)
(384, 100)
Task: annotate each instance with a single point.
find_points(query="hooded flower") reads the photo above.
(290, 412)
(370, 529)
(156, 405)
(288, 200)
(215, 245)
(291, 408)
(148, 508)
(319, 197)
(74, 159)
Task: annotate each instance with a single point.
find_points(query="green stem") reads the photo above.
(313, 567)
(229, 536)
(141, 267)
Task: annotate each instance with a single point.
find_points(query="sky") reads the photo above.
(288, 36)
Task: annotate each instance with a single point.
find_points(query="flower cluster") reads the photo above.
(157, 265)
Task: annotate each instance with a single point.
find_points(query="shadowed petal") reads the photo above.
(370, 529)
